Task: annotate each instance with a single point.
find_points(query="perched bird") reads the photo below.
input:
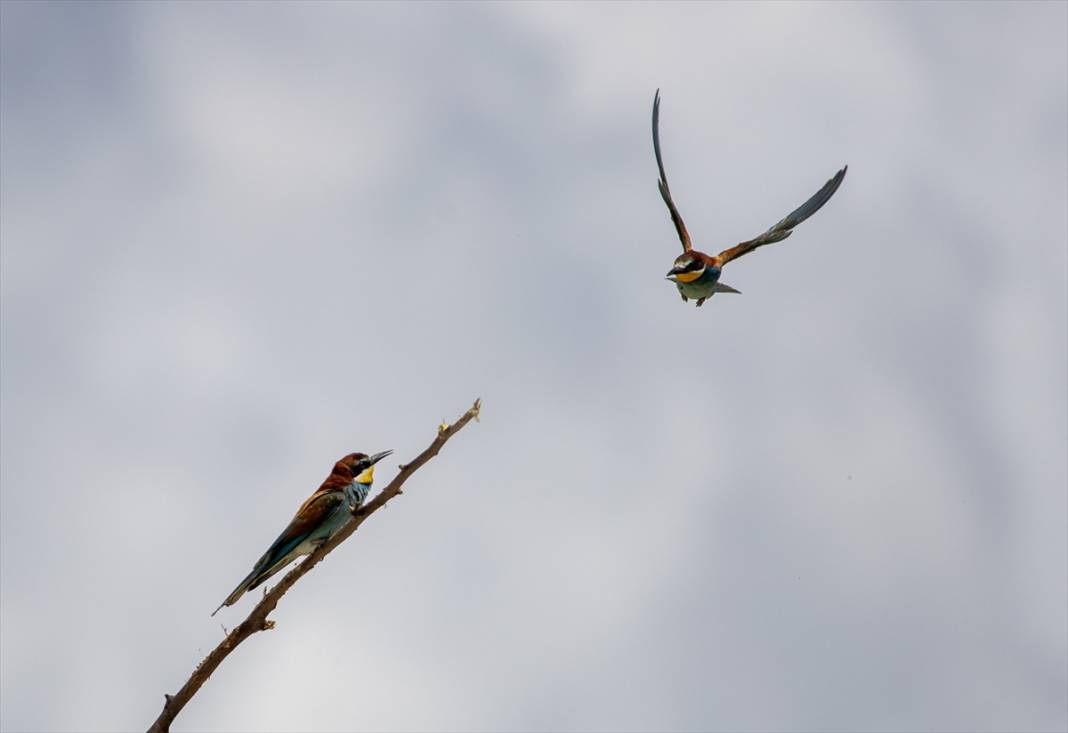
(324, 513)
(696, 274)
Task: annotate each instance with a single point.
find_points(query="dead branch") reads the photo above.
(257, 619)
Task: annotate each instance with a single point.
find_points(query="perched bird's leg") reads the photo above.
(701, 302)
(684, 298)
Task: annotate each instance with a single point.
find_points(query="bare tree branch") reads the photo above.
(257, 620)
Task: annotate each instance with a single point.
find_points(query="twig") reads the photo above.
(257, 619)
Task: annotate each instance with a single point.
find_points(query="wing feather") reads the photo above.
(311, 515)
(784, 228)
(662, 184)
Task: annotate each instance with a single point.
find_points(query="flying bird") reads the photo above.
(324, 513)
(696, 274)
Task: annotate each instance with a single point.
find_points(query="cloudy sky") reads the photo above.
(242, 240)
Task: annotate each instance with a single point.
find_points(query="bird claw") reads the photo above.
(700, 302)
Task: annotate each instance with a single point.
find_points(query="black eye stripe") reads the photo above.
(692, 265)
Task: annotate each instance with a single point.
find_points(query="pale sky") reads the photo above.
(242, 240)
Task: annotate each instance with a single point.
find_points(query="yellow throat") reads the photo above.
(367, 477)
(689, 277)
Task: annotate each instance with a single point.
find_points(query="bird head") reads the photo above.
(360, 466)
(687, 268)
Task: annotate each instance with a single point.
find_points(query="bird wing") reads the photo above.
(662, 183)
(312, 514)
(784, 228)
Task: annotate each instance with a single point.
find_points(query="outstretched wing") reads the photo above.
(784, 228)
(662, 183)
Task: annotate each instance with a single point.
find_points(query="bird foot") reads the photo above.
(684, 298)
(700, 302)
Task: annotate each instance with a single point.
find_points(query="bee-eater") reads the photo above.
(324, 513)
(696, 274)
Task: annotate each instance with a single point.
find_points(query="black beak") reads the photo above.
(379, 456)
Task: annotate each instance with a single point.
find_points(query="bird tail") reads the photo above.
(725, 288)
(239, 591)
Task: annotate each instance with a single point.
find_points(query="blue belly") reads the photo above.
(355, 494)
(702, 287)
